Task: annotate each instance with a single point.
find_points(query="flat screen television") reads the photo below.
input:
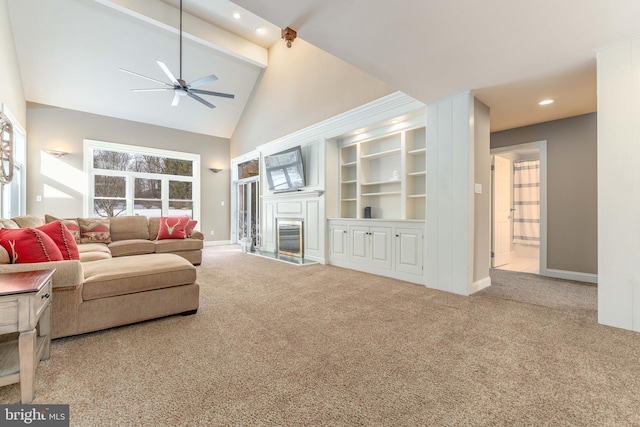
(285, 170)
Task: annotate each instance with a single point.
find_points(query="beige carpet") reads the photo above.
(276, 344)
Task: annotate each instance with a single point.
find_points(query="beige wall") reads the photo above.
(572, 240)
(62, 187)
(11, 91)
(482, 201)
(301, 86)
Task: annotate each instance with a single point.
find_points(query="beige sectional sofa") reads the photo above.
(134, 278)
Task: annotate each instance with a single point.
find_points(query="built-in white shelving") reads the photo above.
(384, 170)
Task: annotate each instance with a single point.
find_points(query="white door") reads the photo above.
(501, 239)
(409, 250)
(359, 244)
(338, 233)
(381, 246)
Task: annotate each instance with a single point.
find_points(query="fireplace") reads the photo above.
(289, 237)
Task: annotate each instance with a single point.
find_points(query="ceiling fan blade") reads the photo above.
(202, 81)
(176, 100)
(197, 98)
(168, 73)
(155, 89)
(145, 77)
(208, 92)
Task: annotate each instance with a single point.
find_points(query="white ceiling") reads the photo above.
(511, 53)
(70, 52)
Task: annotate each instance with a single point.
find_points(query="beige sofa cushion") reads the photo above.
(129, 227)
(8, 223)
(93, 251)
(154, 227)
(132, 247)
(138, 273)
(177, 245)
(28, 221)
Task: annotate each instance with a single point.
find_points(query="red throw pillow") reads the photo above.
(71, 223)
(27, 245)
(63, 238)
(172, 227)
(191, 224)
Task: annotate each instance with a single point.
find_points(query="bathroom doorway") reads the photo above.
(518, 198)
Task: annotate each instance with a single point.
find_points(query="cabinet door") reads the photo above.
(338, 241)
(359, 244)
(380, 246)
(408, 250)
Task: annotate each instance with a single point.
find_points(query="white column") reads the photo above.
(619, 185)
(449, 241)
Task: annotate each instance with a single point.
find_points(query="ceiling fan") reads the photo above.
(179, 87)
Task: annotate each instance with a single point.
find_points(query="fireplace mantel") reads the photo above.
(294, 194)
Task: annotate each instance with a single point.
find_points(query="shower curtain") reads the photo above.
(526, 202)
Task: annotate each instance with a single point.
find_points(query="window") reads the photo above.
(13, 194)
(131, 180)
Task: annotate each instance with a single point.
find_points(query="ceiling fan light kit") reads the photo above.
(289, 35)
(179, 87)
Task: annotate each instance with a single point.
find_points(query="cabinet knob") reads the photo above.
(397, 235)
(46, 295)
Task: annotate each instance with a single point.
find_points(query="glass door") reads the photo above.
(248, 220)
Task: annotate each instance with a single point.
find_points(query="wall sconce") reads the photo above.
(289, 35)
(215, 170)
(56, 153)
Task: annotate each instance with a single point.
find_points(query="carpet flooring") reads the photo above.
(275, 344)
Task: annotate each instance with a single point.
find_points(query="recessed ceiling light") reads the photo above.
(236, 15)
(546, 102)
(259, 30)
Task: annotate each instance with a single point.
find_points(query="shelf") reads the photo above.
(417, 196)
(417, 151)
(420, 173)
(382, 193)
(349, 165)
(348, 200)
(393, 181)
(381, 154)
(353, 181)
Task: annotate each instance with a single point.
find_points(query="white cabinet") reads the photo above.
(408, 250)
(338, 241)
(370, 246)
(387, 248)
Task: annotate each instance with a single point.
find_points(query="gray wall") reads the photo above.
(572, 239)
(62, 188)
(482, 202)
(301, 86)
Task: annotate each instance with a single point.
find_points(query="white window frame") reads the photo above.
(91, 145)
(19, 170)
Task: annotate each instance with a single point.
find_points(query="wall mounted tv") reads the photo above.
(285, 170)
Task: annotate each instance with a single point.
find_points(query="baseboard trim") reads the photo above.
(571, 275)
(480, 285)
(216, 242)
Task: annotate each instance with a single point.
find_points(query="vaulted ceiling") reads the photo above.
(510, 53)
(70, 52)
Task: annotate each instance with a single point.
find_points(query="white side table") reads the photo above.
(25, 307)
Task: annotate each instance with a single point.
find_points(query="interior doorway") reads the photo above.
(518, 214)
